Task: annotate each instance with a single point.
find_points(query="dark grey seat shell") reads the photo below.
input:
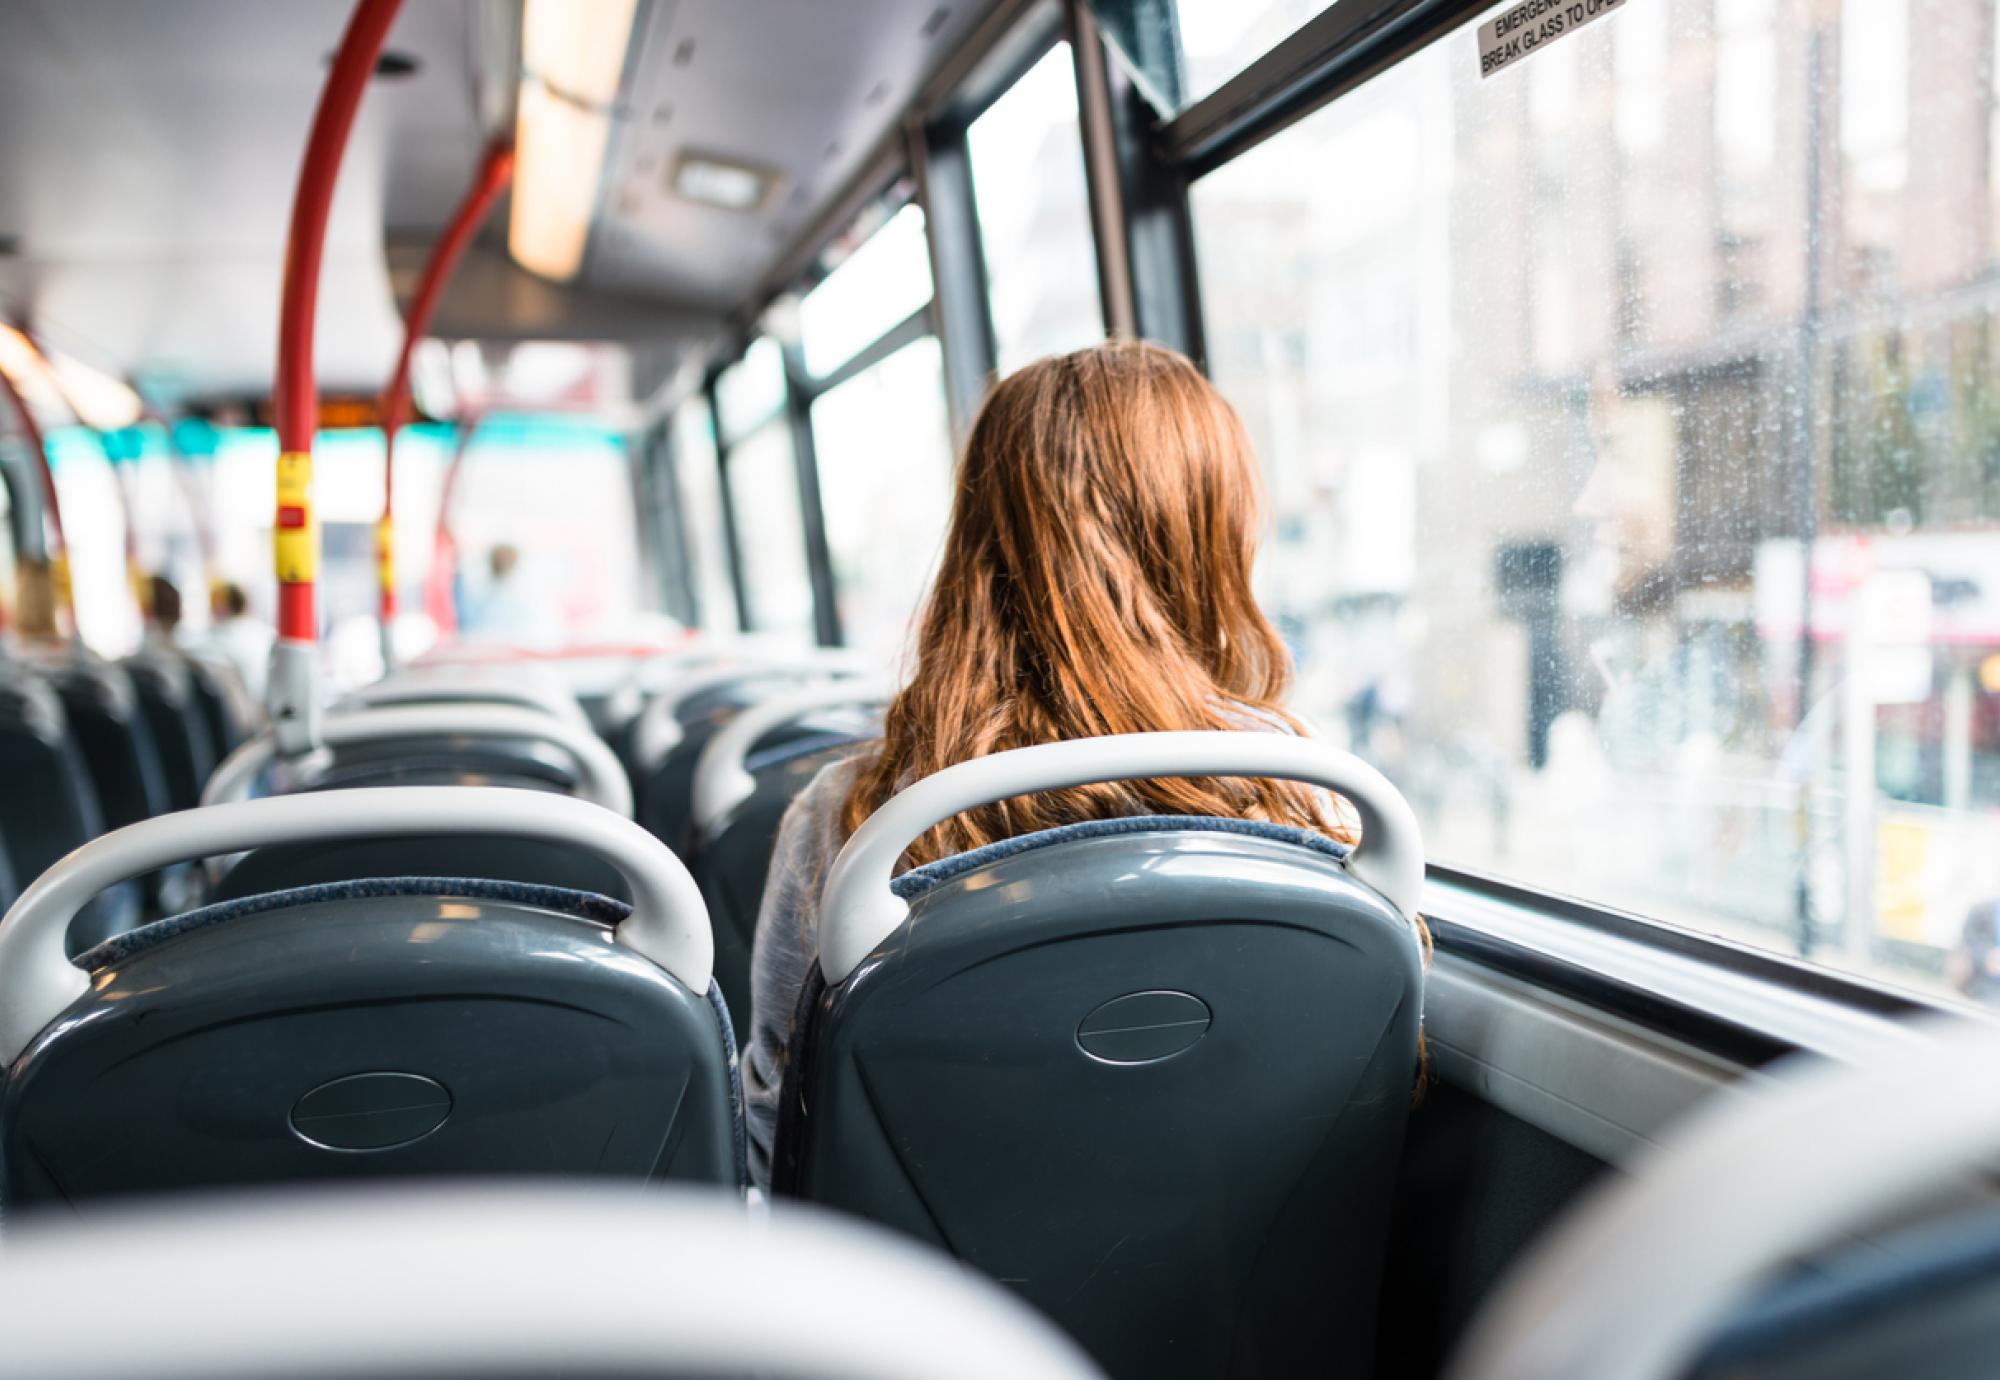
(415, 1026)
(220, 696)
(1922, 1305)
(732, 860)
(48, 802)
(115, 738)
(1153, 1073)
(179, 724)
(425, 761)
(663, 778)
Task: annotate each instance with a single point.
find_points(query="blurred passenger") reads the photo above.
(511, 609)
(38, 614)
(239, 639)
(1095, 580)
(1974, 966)
(163, 610)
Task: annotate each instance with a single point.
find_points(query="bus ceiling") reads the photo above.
(673, 158)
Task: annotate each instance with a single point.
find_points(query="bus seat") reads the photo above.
(115, 738)
(746, 778)
(180, 727)
(1922, 1304)
(669, 737)
(530, 687)
(1831, 1219)
(581, 1281)
(1152, 1072)
(397, 1027)
(428, 745)
(522, 861)
(224, 702)
(48, 804)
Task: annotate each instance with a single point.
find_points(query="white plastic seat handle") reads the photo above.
(722, 781)
(659, 730)
(524, 687)
(601, 780)
(459, 1281)
(858, 910)
(669, 922)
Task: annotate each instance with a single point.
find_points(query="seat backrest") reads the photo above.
(427, 745)
(391, 1028)
(747, 777)
(356, 860)
(48, 804)
(665, 756)
(224, 703)
(179, 724)
(1923, 1304)
(1153, 1072)
(732, 864)
(1654, 1266)
(115, 738)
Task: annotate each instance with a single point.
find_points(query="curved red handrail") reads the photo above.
(441, 606)
(295, 392)
(496, 171)
(46, 464)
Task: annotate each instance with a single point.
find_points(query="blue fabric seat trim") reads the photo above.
(586, 905)
(919, 880)
(802, 747)
(736, 1109)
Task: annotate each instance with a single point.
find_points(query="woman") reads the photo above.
(1095, 579)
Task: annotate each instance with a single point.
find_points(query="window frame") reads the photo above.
(1782, 1001)
(897, 188)
(1138, 169)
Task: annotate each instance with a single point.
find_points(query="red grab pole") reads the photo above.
(295, 392)
(46, 464)
(58, 569)
(444, 548)
(496, 171)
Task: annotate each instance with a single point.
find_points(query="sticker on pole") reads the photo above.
(1524, 29)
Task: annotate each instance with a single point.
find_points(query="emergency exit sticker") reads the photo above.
(1527, 28)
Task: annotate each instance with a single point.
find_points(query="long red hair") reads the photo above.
(1095, 580)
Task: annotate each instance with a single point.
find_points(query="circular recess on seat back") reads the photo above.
(1144, 1027)
(371, 1111)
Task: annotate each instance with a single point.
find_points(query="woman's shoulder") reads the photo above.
(823, 796)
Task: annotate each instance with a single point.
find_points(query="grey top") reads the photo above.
(786, 944)
(787, 939)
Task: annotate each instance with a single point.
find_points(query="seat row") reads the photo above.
(88, 744)
(1152, 1073)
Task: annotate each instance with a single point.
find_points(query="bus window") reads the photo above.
(879, 284)
(1636, 508)
(1034, 216)
(1217, 39)
(702, 521)
(884, 449)
(167, 540)
(751, 391)
(558, 490)
(764, 493)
